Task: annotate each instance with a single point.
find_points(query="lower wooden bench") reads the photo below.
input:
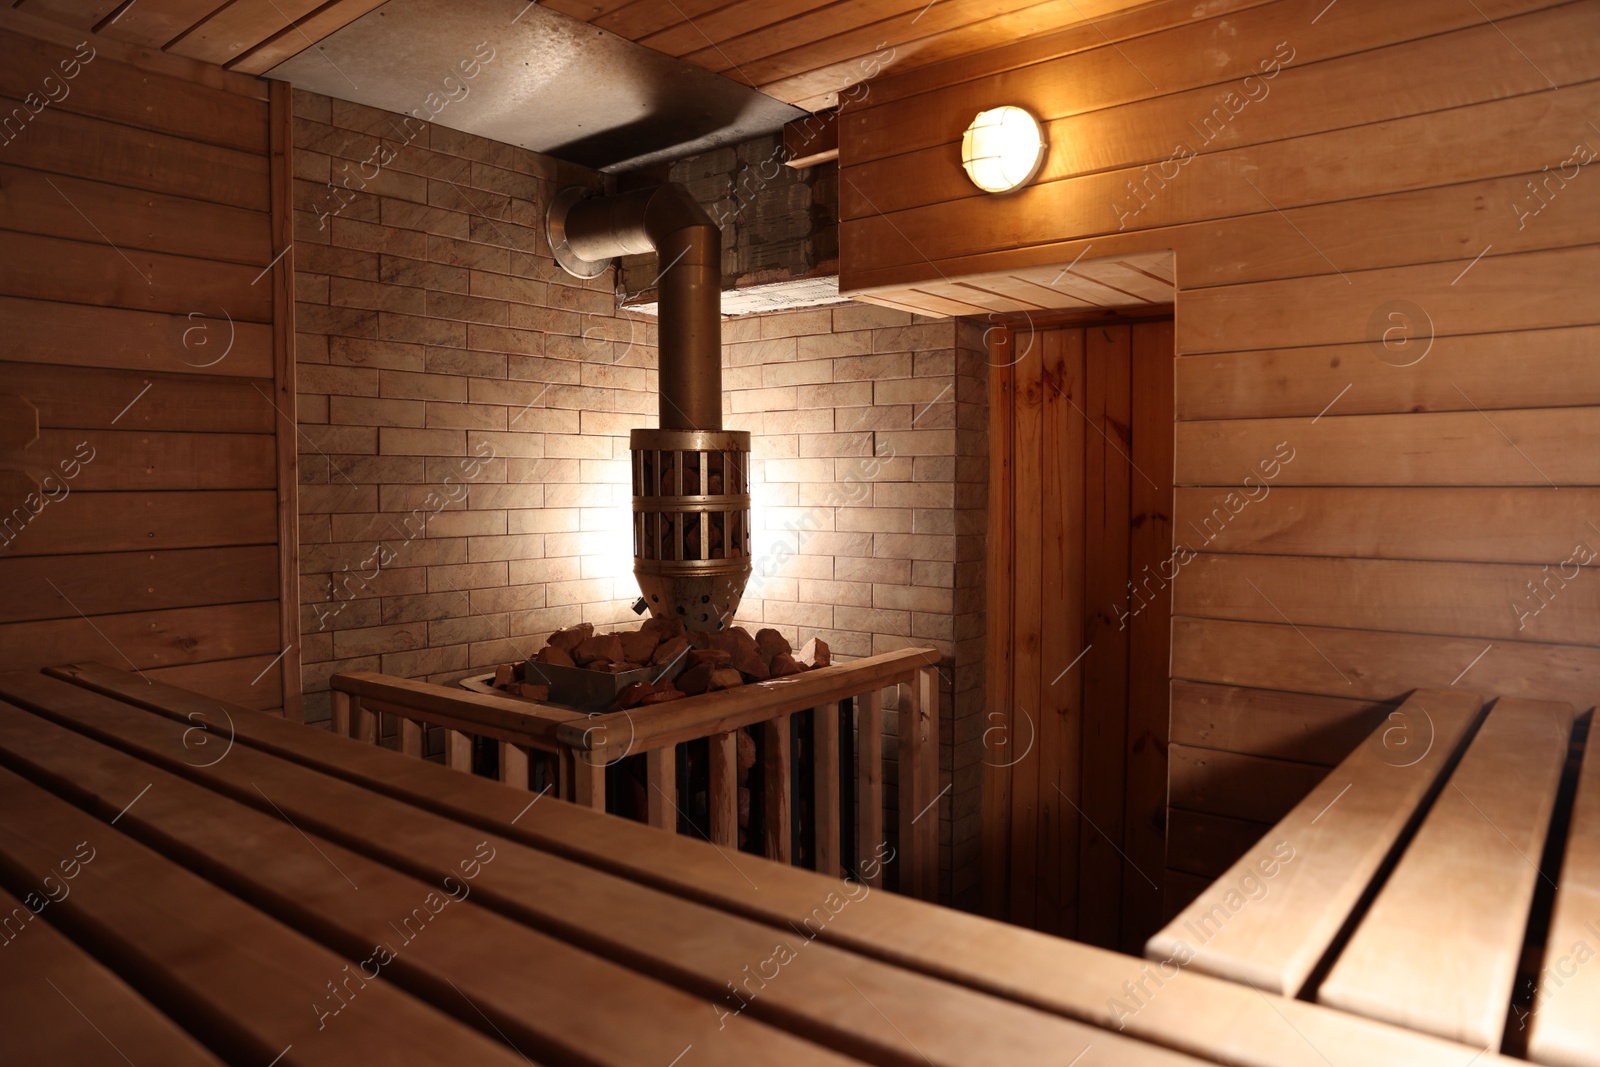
(558, 934)
(1402, 887)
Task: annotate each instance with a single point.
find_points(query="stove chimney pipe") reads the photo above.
(691, 493)
(586, 234)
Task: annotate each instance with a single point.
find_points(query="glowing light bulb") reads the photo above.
(1002, 149)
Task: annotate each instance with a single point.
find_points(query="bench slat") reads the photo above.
(58, 1004)
(1207, 1017)
(1565, 1023)
(1270, 919)
(698, 949)
(1438, 949)
(221, 968)
(537, 991)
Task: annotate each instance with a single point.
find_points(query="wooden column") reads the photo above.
(411, 737)
(724, 789)
(514, 764)
(869, 783)
(661, 805)
(458, 750)
(1000, 741)
(825, 788)
(341, 705)
(775, 831)
(589, 780)
(285, 393)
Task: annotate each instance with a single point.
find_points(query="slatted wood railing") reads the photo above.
(585, 744)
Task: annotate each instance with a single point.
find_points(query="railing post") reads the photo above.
(776, 843)
(458, 750)
(919, 822)
(513, 765)
(825, 793)
(411, 737)
(341, 705)
(925, 705)
(661, 775)
(724, 794)
(589, 779)
(869, 783)
(363, 723)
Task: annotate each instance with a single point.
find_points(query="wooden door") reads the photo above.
(1080, 563)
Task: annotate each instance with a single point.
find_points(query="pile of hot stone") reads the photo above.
(714, 661)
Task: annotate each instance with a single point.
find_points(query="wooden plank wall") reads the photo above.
(142, 323)
(1388, 398)
(1076, 732)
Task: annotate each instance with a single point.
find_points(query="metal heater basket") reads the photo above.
(691, 523)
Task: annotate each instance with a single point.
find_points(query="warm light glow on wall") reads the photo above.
(1002, 149)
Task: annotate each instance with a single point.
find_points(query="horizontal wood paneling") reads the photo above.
(1449, 372)
(253, 681)
(146, 638)
(64, 143)
(1377, 665)
(138, 460)
(1385, 260)
(1518, 602)
(58, 587)
(102, 398)
(1207, 845)
(1525, 291)
(135, 229)
(1260, 722)
(62, 22)
(1100, 69)
(1238, 786)
(128, 522)
(31, 202)
(94, 273)
(899, 248)
(1301, 98)
(41, 331)
(108, 89)
(1511, 525)
(1552, 446)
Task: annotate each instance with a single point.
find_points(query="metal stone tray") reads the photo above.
(591, 690)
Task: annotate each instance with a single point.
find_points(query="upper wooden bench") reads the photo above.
(1401, 888)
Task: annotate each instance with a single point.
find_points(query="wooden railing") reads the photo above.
(584, 745)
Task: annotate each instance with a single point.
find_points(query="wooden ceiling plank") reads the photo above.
(988, 300)
(234, 30)
(292, 40)
(154, 23)
(716, 35)
(636, 21)
(79, 14)
(145, 58)
(847, 30)
(915, 46)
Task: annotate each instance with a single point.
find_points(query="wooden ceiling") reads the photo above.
(804, 52)
(799, 51)
(250, 36)
(1115, 283)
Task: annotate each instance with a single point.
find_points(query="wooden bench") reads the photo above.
(1403, 886)
(237, 891)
